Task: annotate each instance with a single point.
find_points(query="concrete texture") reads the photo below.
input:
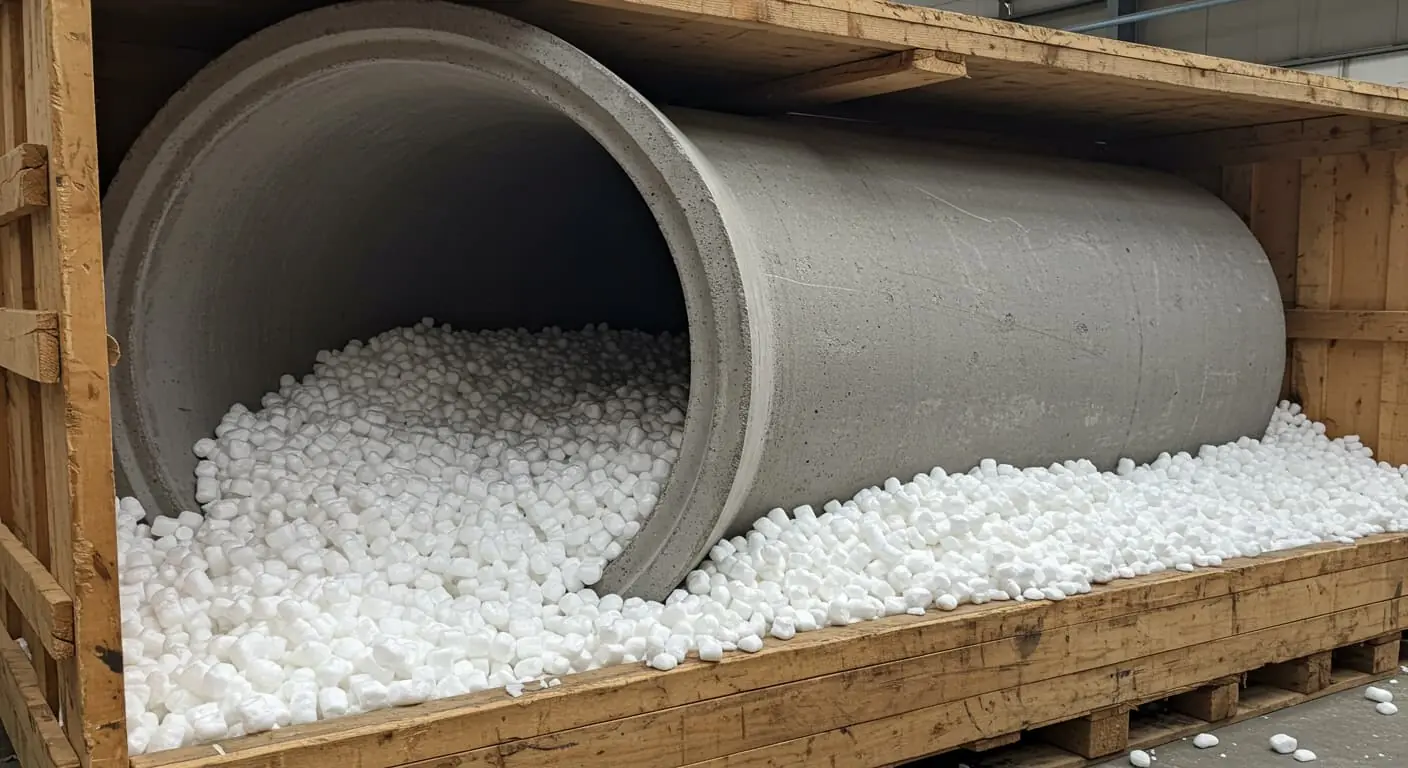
(858, 307)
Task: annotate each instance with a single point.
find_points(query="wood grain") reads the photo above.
(29, 343)
(851, 81)
(41, 600)
(33, 730)
(24, 182)
(77, 439)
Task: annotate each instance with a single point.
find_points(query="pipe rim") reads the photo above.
(688, 202)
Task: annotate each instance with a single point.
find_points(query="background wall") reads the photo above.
(1364, 39)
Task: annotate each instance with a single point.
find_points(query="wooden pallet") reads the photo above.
(1096, 737)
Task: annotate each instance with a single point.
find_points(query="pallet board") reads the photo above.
(1317, 166)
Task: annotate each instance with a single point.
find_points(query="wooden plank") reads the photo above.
(1314, 278)
(1392, 442)
(24, 416)
(1211, 703)
(912, 27)
(1363, 201)
(939, 728)
(651, 734)
(41, 600)
(1346, 324)
(1098, 734)
(855, 80)
(1275, 206)
(78, 468)
(29, 343)
(987, 745)
(33, 730)
(1275, 210)
(1267, 142)
(24, 182)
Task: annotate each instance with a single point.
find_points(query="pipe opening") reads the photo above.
(364, 199)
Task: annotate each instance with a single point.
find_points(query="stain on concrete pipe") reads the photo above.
(857, 307)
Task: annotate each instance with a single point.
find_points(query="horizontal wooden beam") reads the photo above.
(24, 182)
(895, 26)
(1316, 137)
(1347, 325)
(40, 597)
(900, 71)
(38, 740)
(29, 343)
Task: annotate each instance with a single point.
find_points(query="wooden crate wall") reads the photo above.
(1336, 231)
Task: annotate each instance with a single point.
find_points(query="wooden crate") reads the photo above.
(1315, 165)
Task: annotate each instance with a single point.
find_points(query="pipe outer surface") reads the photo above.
(858, 307)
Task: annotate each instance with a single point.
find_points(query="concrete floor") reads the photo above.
(1342, 730)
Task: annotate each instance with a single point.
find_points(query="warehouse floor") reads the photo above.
(1342, 730)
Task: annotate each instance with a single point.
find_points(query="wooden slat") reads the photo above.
(29, 343)
(855, 80)
(1346, 324)
(1314, 278)
(40, 598)
(1392, 443)
(823, 679)
(77, 438)
(28, 499)
(912, 27)
(1363, 201)
(24, 182)
(937, 728)
(33, 730)
(1293, 140)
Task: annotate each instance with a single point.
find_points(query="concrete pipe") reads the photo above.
(857, 308)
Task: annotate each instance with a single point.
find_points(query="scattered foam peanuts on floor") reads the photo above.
(1303, 756)
(425, 514)
(1140, 759)
(1374, 693)
(1283, 744)
(1386, 708)
(1205, 741)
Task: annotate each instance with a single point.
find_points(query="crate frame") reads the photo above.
(1316, 166)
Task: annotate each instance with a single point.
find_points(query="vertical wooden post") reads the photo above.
(77, 443)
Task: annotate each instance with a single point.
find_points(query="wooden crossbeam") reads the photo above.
(1098, 734)
(24, 182)
(29, 343)
(1213, 702)
(1349, 325)
(44, 603)
(855, 80)
(38, 739)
